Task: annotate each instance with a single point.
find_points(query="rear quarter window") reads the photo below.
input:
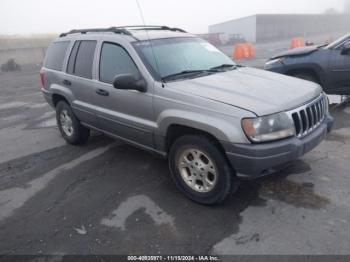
(55, 55)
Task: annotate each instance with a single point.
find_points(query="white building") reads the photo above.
(347, 6)
(265, 27)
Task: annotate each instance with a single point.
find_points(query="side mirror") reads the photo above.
(129, 82)
(346, 48)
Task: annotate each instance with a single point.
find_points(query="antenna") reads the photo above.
(149, 40)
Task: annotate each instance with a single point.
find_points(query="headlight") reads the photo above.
(273, 61)
(268, 128)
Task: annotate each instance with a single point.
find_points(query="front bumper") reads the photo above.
(256, 160)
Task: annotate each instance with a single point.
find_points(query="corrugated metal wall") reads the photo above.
(274, 27)
(271, 27)
(245, 26)
(347, 6)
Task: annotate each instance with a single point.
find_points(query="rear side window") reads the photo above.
(72, 57)
(55, 55)
(114, 61)
(81, 59)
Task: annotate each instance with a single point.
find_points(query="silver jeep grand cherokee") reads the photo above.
(174, 94)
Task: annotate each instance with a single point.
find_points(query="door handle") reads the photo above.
(67, 82)
(102, 92)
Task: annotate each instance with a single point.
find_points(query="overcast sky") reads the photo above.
(54, 16)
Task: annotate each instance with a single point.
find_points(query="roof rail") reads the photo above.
(115, 30)
(122, 29)
(151, 27)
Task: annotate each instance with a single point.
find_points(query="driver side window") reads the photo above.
(115, 60)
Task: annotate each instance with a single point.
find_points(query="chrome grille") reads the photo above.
(308, 117)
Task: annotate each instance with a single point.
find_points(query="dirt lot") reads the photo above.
(110, 198)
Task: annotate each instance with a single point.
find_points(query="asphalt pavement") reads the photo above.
(107, 197)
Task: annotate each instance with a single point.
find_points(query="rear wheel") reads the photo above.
(200, 170)
(70, 127)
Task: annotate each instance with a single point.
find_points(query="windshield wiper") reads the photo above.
(223, 66)
(184, 73)
(190, 73)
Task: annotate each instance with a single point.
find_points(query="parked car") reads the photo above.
(327, 65)
(174, 94)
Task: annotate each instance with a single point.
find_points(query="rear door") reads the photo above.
(340, 71)
(79, 79)
(125, 113)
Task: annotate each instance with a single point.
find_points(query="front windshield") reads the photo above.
(175, 55)
(338, 41)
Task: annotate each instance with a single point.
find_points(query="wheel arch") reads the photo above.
(175, 131)
(59, 93)
(314, 70)
(222, 127)
(56, 98)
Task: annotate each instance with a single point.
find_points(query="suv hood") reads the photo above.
(297, 51)
(258, 91)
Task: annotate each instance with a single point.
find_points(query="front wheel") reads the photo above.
(200, 170)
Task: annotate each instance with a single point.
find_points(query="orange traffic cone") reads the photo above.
(240, 51)
(297, 42)
(250, 49)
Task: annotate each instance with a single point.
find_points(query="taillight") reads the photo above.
(42, 79)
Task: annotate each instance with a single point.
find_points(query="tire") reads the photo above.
(73, 132)
(306, 76)
(223, 180)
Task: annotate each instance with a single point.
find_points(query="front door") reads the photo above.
(125, 113)
(340, 71)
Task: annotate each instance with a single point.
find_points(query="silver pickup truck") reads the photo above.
(172, 93)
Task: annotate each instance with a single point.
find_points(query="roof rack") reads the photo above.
(115, 30)
(122, 29)
(151, 27)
